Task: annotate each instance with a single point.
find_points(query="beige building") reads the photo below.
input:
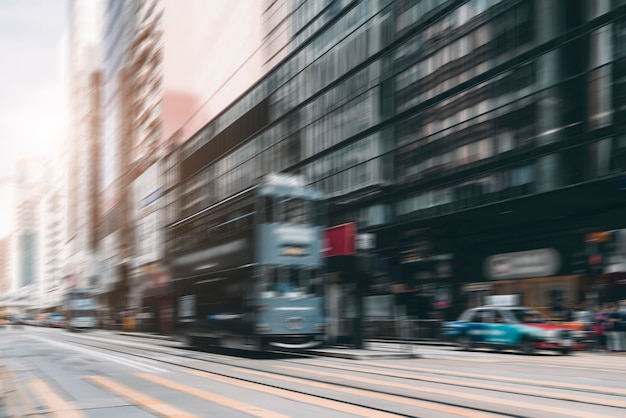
(5, 267)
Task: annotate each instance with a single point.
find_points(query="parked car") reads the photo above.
(510, 327)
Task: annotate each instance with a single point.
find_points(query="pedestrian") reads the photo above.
(569, 312)
(612, 320)
(599, 328)
(620, 326)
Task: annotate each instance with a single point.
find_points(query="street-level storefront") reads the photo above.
(541, 277)
(609, 288)
(607, 254)
(473, 295)
(356, 278)
(157, 304)
(427, 288)
(550, 295)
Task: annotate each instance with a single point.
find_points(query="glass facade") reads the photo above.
(451, 104)
(118, 35)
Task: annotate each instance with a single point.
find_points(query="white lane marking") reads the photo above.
(120, 360)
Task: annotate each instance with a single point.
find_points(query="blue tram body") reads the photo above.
(248, 271)
(80, 310)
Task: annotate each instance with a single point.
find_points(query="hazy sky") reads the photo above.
(31, 61)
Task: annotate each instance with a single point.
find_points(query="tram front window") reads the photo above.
(296, 211)
(290, 281)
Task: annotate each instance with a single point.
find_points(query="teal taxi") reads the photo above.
(510, 327)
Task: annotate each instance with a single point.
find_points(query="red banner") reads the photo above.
(340, 240)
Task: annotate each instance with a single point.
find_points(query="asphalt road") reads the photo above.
(53, 373)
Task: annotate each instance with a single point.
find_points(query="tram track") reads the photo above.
(173, 355)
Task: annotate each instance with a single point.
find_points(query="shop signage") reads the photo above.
(365, 242)
(340, 240)
(161, 277)
(523, 264)
(477, 287)
(502, 300)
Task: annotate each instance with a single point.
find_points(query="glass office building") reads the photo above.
(464, 134)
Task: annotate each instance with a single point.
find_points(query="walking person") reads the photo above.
(612, 319)
(620, 327)
(599, 328)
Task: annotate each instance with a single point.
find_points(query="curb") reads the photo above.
(373, 355)
(153, 336)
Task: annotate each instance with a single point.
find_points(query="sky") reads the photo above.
(31, 81)
(32, 109)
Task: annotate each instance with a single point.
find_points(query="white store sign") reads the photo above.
(523, 264)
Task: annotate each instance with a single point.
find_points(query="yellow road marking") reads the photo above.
(16, 403)
(455, 393)
(140, 399)
(298, 397)
(486, 386)
(368, 394)
(58, 406)
(212, 397)
(557, 385)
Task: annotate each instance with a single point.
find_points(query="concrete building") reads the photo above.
(52, 231)
(81, 267)
(6, 194)
(25, 241)
(5, 265)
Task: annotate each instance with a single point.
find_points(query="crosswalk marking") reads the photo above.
(487, 386)
(212, 397)
(298, 397)
(140, 399)
(58, 406)
(369, 394)
(486, 400)
(504, 379)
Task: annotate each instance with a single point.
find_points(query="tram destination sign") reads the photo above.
(282, 179)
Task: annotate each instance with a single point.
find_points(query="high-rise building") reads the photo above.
(6, 191)
(52, 231)
(171, 94)
(147, 51)
(5, 266)
(83, 150)
(120, 22)
(477, 141)
(26, 234)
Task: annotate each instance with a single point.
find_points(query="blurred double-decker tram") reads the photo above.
(248, 273)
